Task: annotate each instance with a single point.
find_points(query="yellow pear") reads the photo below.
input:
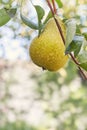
(48, 50)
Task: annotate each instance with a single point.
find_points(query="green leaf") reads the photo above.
(40, 12)
(84, 66)
(75, 45)
(70, 31)
(48, 17)
(4, 17)
(59, 3)
(78, 30)
(29, 23)
(79, 41)
(76, 52)
(71, 48)
(82, 57)
(85, 35)
(11, 12)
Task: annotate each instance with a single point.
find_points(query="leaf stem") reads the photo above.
(60, 30)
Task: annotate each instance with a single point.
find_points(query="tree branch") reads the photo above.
(60, 30)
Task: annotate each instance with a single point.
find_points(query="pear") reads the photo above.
(48, 50)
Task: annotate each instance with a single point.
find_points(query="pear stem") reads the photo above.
(60, 30)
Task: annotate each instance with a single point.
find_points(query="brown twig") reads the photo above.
(54, 6)
(50, 7)
(60, 30)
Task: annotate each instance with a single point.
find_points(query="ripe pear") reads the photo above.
(48, 50)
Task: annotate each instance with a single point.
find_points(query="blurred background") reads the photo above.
(33, 99)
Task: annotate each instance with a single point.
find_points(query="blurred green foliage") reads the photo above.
(63, 96)
(18, 125)
(72, 107)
